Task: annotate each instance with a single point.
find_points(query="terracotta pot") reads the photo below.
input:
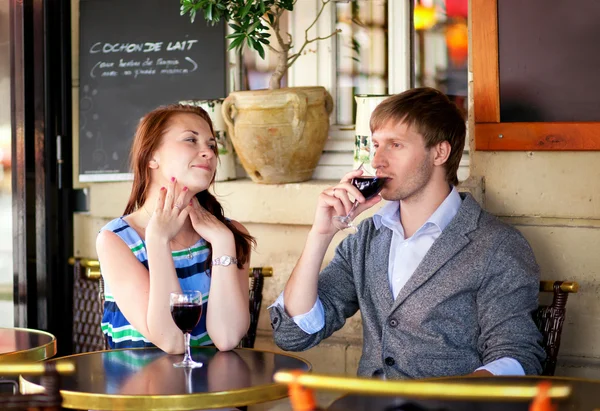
(279, 135)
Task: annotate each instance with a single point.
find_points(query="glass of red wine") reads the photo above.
(186, 310)
(369, 187)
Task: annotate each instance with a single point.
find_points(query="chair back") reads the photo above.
(550, 320)
(88, 305)
(257, 275)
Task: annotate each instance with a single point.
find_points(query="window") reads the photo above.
(373, 54)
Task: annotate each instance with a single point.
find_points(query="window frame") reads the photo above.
(490, 132)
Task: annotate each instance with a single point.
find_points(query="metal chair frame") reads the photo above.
(550, 320)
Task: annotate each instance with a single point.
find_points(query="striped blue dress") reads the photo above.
(193, 274)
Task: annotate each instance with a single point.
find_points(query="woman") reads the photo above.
(173, 236)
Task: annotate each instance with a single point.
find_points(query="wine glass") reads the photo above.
(369, 187)
(186, 310)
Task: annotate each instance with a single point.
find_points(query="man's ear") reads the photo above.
(442, 152)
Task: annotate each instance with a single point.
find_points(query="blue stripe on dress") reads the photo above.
(192, 274)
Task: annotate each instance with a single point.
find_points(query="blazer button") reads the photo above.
(389, 361)
(378, 373)
(393, 323)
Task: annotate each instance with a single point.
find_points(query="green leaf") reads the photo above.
(260, 49)
(235, 27)
(234, 35)
(254, 26)
(246, 9)
(236, 43)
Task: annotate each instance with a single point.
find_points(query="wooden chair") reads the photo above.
(88, 305)
(50, 399)
(550, 319)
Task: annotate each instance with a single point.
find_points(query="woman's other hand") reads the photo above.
(207, 225)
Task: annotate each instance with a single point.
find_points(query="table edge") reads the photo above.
(233, 398)
(35, 354)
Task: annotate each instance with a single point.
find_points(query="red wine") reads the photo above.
(186, 316)
(369, 186)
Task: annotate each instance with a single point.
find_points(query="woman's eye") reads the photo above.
(191, 139)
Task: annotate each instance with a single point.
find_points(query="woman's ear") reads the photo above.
(153, 163)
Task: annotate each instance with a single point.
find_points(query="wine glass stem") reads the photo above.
(187, 355)
(350, 215)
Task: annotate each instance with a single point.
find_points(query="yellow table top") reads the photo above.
(24, 344)
(145, 379)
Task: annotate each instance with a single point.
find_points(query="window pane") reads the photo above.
(6, 235)
(441, 47)
(361, 54)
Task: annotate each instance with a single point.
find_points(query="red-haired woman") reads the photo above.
(173, 237)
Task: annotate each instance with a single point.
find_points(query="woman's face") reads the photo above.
(187, 152)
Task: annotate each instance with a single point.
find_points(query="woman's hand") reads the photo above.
(207, 225)
(335, 201)
(172, 209)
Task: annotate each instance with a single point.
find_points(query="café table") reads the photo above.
(25, 345)
(145, 379)
(584, 396)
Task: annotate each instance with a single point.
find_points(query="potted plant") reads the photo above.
(278, 133)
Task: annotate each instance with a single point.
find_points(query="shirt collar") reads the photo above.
(390, 212)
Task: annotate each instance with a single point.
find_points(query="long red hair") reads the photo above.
(146, 141)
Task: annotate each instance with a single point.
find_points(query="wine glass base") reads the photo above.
(188, 364)
(344, 223)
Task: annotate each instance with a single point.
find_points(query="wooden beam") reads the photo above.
(537, 136)
(484, 35)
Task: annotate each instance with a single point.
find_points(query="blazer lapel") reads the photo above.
(378, 254)
(449, 243)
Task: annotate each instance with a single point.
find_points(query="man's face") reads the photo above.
(400, 154)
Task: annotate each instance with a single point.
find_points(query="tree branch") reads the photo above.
(284, 46)
(296, 55)
(324, 3)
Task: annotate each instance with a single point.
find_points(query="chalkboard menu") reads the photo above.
(135, 55)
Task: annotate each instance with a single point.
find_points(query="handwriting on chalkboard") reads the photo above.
(146, 47)
(144, 66)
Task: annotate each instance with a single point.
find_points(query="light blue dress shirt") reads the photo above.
(405, 256)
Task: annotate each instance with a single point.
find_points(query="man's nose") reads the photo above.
(378, 159)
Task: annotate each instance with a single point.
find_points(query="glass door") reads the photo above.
(6, 234)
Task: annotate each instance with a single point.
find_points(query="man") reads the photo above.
(444, 288)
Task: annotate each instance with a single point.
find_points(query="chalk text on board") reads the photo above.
(147, 47)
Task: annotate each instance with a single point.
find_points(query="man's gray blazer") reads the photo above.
(468, 303)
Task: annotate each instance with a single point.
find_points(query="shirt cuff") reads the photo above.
(504, 366)
(310, 322)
